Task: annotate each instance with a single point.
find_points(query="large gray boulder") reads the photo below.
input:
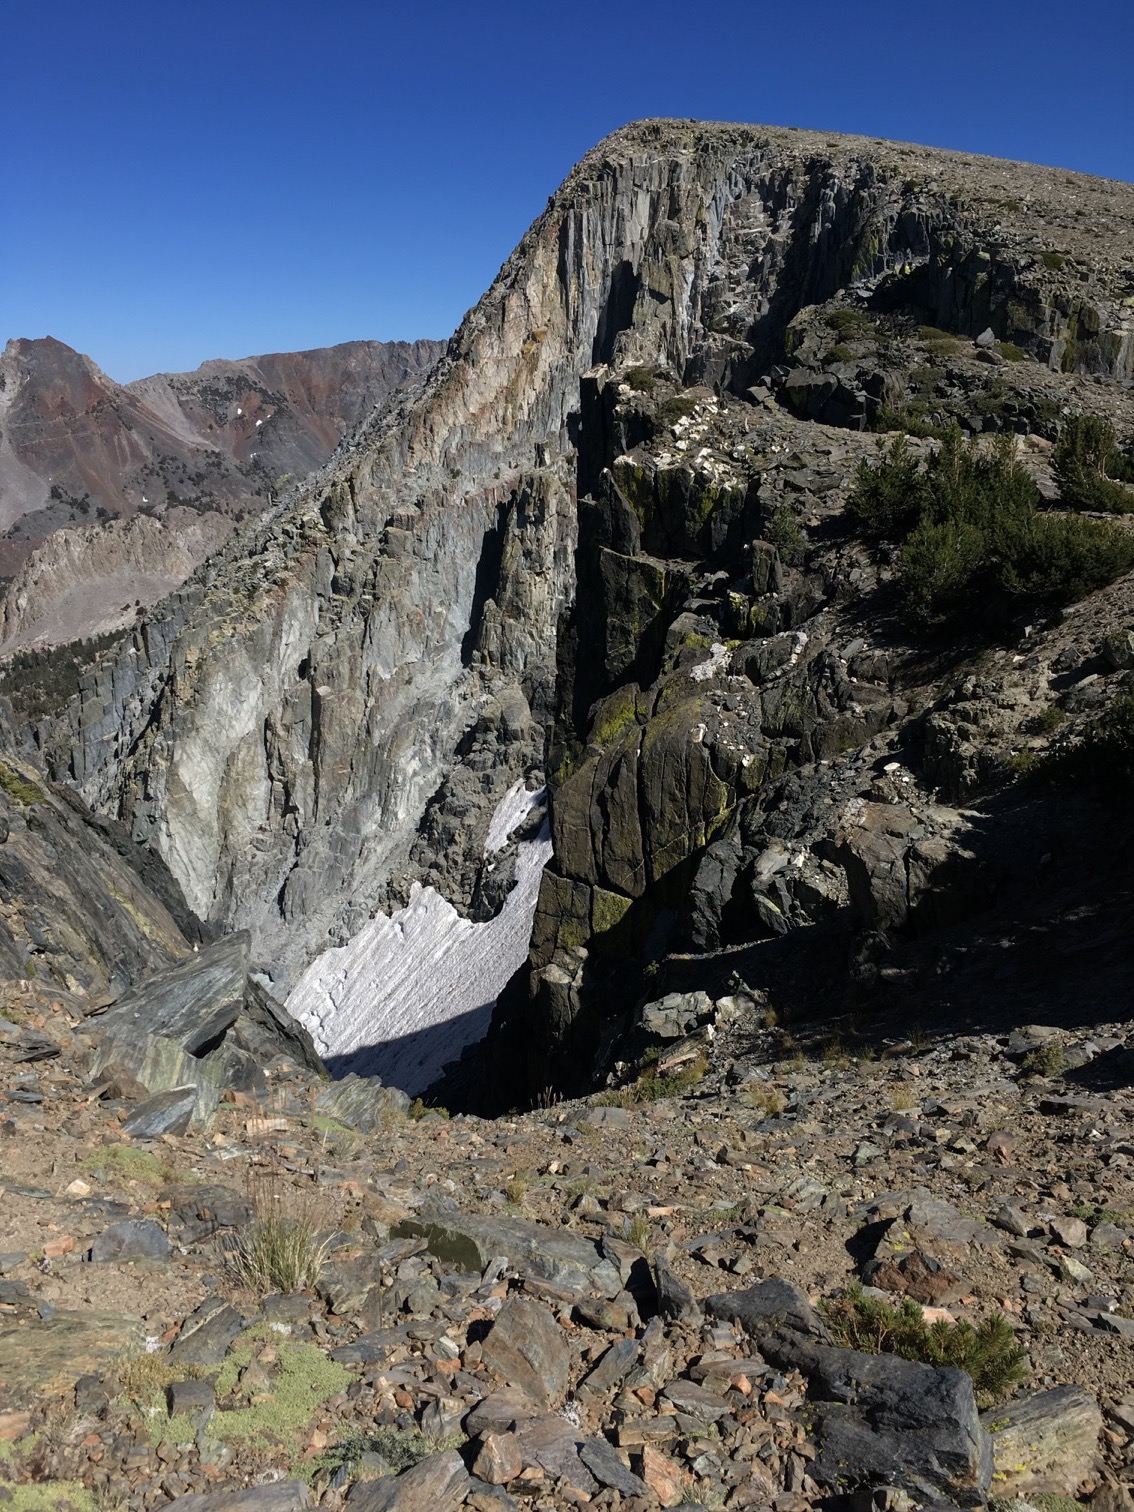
(565, 1260)
(204, 1025)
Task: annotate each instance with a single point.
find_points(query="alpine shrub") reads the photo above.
(1089, 467)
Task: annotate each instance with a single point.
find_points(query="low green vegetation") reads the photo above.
(988, 1352)
(49, 1496)
(40, 682)
(19, 788)
(652, 1084)
(848, 324)
(1044, 1060)
(785, 533)
(973, 538)
(1091, 471)
(676, 407)
(395, 1449)
(1101, 755)
(302, 1381)
(124, 1163)
(643, 379)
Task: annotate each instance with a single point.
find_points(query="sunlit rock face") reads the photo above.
(332, 709)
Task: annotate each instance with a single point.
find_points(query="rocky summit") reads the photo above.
(704, 707)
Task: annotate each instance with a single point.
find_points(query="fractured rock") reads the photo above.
(1045, 1443)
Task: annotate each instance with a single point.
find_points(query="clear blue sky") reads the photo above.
(183, 179)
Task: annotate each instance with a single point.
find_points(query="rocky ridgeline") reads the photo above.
(423, 577)
(608, 1303)
(608, 548)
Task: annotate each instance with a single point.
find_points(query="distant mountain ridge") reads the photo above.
(195, 451)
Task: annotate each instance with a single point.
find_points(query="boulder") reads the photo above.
(438, 1483)
(1047, 1443)
(567, 1260)
(133, 1239)
(361, 1103)
(192, 1003)
(769, 1305)
(529, 1349)
(883, 1421)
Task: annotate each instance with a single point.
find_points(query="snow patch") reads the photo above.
(424, 968)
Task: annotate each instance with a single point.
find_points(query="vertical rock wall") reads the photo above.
(280, 730)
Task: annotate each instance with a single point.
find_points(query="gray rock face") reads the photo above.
(361, 1103)
(427, 567)
(193, 1004)
(91, 908)
(196, 1028)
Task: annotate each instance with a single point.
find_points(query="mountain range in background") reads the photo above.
(110, 494)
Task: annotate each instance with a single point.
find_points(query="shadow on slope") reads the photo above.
(413, 1062)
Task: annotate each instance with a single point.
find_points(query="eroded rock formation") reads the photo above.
(562, 544)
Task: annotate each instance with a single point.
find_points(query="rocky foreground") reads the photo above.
(624, 1301)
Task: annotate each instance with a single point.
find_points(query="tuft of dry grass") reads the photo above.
(765, 1099)
(285, 1247)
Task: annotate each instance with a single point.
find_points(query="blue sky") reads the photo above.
(184, 179)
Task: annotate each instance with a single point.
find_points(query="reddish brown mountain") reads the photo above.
(76, 447)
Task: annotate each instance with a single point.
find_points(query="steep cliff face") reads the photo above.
(351, 685)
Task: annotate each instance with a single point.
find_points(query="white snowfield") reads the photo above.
(423, 968)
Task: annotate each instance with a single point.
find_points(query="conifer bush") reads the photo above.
(1089, 467)
(974, 542)
(988, 1352)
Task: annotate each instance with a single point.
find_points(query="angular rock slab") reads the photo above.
(361, 1103)
(884, 1421)
(607, 1468)
(132, 1239)
(285, 1496)
(48, 1355)
(206, 1334)
(193, 1003)
(168, 1113)
(528, 1348)
(552, 1444)
(157, 1065)
(768, 1305)
(1048, 1442)
(437, 1484)
(567, 1260)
